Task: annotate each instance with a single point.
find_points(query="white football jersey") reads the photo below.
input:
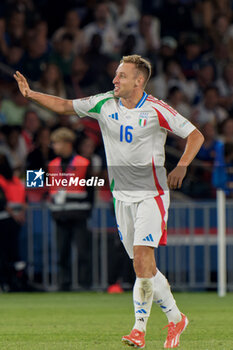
(134, 142)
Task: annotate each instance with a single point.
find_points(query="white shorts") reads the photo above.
(142, 223)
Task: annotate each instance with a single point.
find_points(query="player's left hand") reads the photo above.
(176, 176)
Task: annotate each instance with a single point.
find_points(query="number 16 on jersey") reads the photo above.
(126, 134)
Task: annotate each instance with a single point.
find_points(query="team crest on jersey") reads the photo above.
(143, 117)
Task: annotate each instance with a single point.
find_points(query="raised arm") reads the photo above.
(55, 104)
(194, 142)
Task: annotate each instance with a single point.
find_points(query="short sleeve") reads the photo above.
(91, 106)
(83, 106)
(171, 120)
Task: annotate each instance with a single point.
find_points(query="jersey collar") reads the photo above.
(140, 103)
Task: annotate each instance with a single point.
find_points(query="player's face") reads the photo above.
(126, 79)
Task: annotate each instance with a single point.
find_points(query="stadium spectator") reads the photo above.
(207, 154)
(220, 56)
(42, 154)
(227, 130)
(13, 59)
(222, 31)
(190, 60)
(207, 150)
(128, 45)
(31, 125)
(92, 130)
(225, 86)
(147, 36)
(76, 124)
(25, 6)
(12, 216)
(72, 27)
(105, 80)
(63, 121)
(15, 29)
(14, 148)
(64, 56)
(198, 17)
(14, 108)
(105, 28)
(209, 110)
(167, 52)
(39, 158)
(96, 61)
(36, 56)
(212, 8)
(40, 28)
(71, 208)
(50, 82)
(80, 81)
(125, 16)
(86, 149)
(177, 100)
(172, 76)
(205, 78)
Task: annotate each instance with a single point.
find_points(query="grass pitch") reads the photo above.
(94, 321)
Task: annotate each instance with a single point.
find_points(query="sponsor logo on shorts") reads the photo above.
(149, 238)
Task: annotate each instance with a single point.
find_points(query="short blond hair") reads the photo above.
(63, 134)
(143, 65)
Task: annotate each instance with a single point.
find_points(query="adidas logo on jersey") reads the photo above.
(113, 116)
(148, 238)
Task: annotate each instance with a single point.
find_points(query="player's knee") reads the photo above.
(144, 262)
(139, 266)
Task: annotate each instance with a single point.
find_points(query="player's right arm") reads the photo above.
(55, 104)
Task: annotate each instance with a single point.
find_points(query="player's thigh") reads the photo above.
(151, 217)
(125, 215)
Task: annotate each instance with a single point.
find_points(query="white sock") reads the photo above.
(164, 298)
(143, 298)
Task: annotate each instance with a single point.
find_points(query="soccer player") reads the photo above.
(134, 128)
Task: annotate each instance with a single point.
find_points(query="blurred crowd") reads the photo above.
(72, 49)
